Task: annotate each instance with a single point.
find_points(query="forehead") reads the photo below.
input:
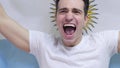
(79, 4)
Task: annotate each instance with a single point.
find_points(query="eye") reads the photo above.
(76, 12)
(62, 11)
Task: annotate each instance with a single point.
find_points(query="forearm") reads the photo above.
(119, 43)
(15, 33)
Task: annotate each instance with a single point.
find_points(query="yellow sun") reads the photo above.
(91, 15)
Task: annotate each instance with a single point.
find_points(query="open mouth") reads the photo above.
(69, 29)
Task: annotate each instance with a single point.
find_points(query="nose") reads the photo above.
(69, 17)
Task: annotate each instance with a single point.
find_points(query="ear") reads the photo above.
(86, 20)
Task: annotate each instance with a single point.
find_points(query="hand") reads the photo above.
(3, 14)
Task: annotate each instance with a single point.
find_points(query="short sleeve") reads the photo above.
(111, 41)
(36, 42)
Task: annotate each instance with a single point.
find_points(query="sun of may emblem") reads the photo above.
(91, 15)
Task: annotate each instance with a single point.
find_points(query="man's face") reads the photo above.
(70, 20)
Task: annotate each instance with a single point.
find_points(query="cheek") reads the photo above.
(80, 22)
(59, 20)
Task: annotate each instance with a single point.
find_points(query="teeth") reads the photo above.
(72, 25)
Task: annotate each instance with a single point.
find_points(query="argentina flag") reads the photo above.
(38, 15)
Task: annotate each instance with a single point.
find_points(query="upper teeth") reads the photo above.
(72, 25)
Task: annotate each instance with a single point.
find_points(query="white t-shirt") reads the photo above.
(94, 50)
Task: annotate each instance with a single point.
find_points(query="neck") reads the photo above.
(72, 43)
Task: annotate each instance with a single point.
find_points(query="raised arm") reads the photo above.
(15, 33)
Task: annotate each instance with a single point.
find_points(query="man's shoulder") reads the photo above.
(38, 35)
(106, 34)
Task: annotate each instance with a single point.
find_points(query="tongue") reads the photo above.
(69, 31)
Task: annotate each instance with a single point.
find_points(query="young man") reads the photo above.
(71, 50)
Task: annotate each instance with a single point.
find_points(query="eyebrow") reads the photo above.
(62, 9)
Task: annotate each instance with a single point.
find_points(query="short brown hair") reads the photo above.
(86, 7)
